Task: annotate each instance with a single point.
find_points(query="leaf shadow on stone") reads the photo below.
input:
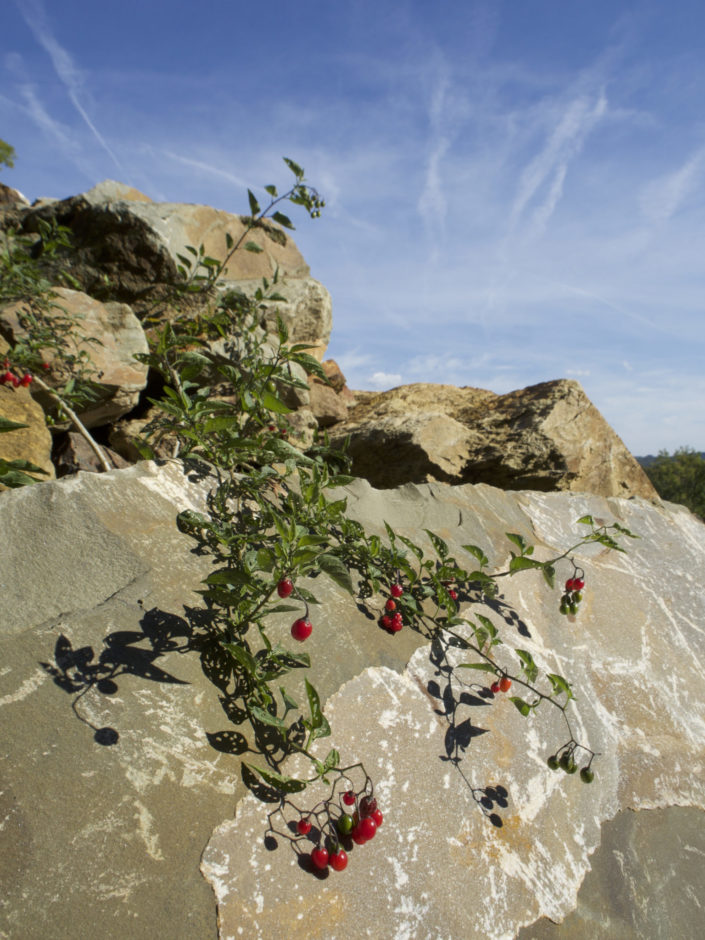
(80, 671)
(452, 693)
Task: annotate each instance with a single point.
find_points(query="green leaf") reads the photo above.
(439, 545)
(559, 685)
(279, 781)
(585, 520)
(253, 247)
(7, 425)
(229, 241)
(523, 707)
(482, 667)
(322, 731)
(411, 546)
(221, 423)
(272, 190)
(289, 704)
(295, 168)
(254, 205)
(521, 562)
(336, 569)
(488, 625)
(549, 573)
(478, 553)
(528, 664)
(282, 219)
(243, 656)
(332, 760)
(272, 403)
(311, 365)
(229, 576)
(314, 704)
(518, 540)
(262, 715)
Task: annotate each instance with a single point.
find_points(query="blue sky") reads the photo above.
(515, 190)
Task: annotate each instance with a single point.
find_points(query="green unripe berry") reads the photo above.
(553, 762)
(345, 824)
(573, 608)
(563, 609)
(586, 775)
(577, 597)
(571, 768)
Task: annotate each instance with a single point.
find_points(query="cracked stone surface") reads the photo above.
(115, 789)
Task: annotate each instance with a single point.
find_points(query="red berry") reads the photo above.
(453, 594)
(7, 377)
(397, 622)
(578, 584)
(376, 814)
(505, 684)
(396, 590)
(303, 827)
(45, 365)
(301, 629)
(285, 587)
(368, 827)
(569, 584)
(15, 381)
(339, 860)
(271, 427)
(494, 687)
(357, 835)
(390, 605)
(349, 797)
(387, 622)
(368, 804)
(319, 857)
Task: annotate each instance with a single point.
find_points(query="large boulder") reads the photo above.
(32, 442)
(135, 243)
(545, 437)
(115, 744)
(111, 335)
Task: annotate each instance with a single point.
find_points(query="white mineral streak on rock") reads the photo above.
(439, 866)
(145, 827)
(30, 684)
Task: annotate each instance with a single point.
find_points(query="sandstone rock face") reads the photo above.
(10, 196)
(307, 314)
(113, 742)
(545, 437)
(32, 443)
(135, 242)
(118, 337)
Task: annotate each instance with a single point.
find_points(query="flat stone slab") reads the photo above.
(479, 837)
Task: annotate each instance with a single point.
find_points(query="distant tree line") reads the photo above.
(679, 477)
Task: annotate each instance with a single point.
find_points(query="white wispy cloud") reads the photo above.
(564, 143)
(35, 16)
(661, 198)
(384, 380)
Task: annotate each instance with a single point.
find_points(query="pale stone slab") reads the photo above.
(441, 866)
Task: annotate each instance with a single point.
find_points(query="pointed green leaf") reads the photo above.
(337, 570)
(482, 667)
(262, 715)
(279, 781)
(254, 248)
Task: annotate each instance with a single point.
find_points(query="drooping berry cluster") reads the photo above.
(393, 620)
(564, 759)
(502, 684)
(337, 823)
(570, 601)
(9, 378)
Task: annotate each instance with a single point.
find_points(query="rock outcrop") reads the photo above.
(546, 437)
(111, 336)
(121, 772)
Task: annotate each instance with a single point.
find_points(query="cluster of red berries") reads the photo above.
(361, 826)
(9, 378)
(302, 628)
(501, 685)
(570, 601)
(393, 620)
